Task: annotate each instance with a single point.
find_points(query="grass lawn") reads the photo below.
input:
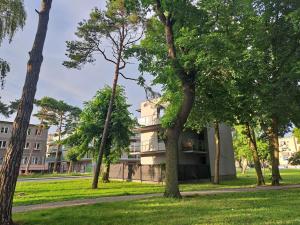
(265, 207)
(51, 191)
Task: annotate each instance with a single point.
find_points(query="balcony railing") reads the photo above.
(135, 147)
(152, 146)
(149, 120)
(193, 146)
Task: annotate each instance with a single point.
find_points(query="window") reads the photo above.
(29, 131)
(2, 144)
(4, 130)
(36, 146)
(38, 131)
(27, 145)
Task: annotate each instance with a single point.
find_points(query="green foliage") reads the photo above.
(87, 136)
(12, 17)
(296, 133)
(54, 112)
(295, 159)
(242, 148)
(116, 27)
(72, 155)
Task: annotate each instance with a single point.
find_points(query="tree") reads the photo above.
(60, 114)
(12, 17)
(272, 58)
(119, 26)
(10, 167)
(295, 159)
(85, 139)
(170, 52)
(296, 133)
(72, 156)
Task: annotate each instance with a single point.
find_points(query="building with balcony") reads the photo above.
(287, 147)
(146, 160)
(35, 146)
(81, 166)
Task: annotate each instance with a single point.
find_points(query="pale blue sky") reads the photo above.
(72, 86)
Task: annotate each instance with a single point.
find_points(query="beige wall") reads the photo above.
(227, 166)
(38, 155)
(287, 147)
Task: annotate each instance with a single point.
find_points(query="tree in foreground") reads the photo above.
(85, 139)
(60, 114)
(11, 165)
(117, 26)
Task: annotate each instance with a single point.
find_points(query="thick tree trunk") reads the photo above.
(216, 179)
(274, 147)
(105, 177)
(58, 150)
(253, 147)
(171, 141)
(10, 168)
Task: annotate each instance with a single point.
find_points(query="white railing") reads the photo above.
(135, 147)
(149, 120)
(151, 146)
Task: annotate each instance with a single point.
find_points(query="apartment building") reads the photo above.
(287, 147)
(146, 160)
(81, 166)
(35, 146)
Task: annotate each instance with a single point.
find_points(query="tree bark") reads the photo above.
(274, 147)
(10, 168)
(216, 179)
(244, 165)
(172, 137)
(109, 112)
(70, 167)
(105, 177)
(188, 89)
(253, 147)
(58, 151)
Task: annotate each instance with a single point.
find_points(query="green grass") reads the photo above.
(51, 191)
(264, 207)
(46, 175)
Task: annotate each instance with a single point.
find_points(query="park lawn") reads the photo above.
(263, 207)
(52, 191)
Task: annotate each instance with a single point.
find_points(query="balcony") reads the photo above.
(193, 146)
(135, 148)
(149, 120)
(152, 146)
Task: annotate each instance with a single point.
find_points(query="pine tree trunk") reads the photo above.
(10, 168)
(216, 179)
(108, 117)
(105, 177)
(253, 147)
(58, 150)
(274, 147)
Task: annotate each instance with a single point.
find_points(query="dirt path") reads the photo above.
(144, 196)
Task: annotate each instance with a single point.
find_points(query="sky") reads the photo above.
(71, 85)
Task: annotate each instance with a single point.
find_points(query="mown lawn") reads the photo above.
(51, 191)
(264, 207)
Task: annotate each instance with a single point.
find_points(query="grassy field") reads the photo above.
(50, 191)
(265, 207)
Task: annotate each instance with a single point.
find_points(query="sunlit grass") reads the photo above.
(267, 207)
(55, 190)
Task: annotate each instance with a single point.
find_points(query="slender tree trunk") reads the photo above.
(274, 147)
(70, 167)
(244, 165)
(58, 151)
(253, 147)
(108, 117)
(216, 179)
(10, 168)
(105, 177)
